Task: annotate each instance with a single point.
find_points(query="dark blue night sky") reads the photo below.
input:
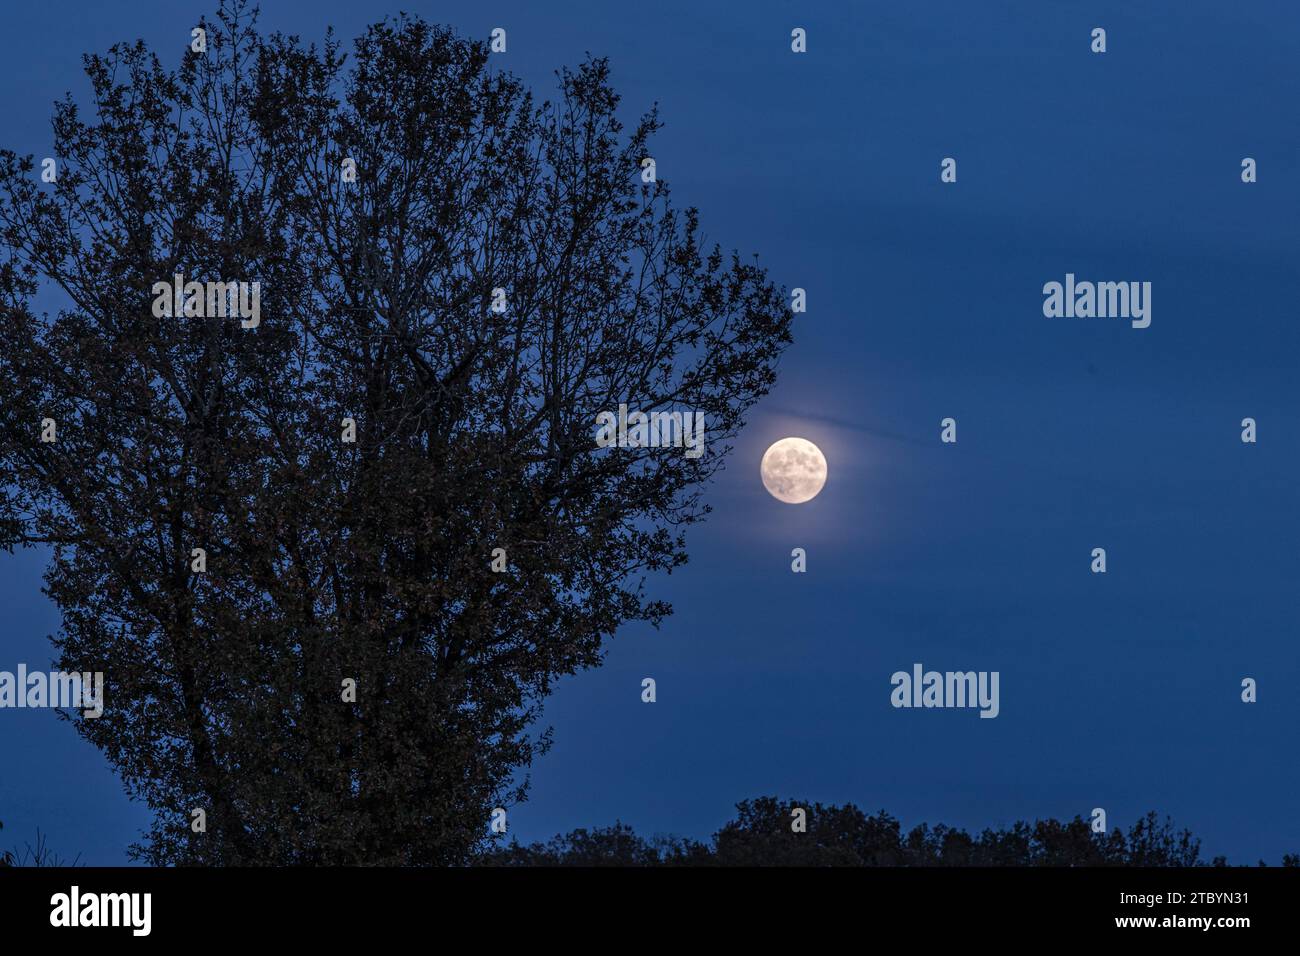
(925, 300)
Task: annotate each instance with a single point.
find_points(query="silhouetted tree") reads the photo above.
(761, 835)
(474, 428)
(617, 845)
(1153, 843)
(38, 855)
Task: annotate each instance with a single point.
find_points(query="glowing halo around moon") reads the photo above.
(793, 470)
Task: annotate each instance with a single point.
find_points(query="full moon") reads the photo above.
(793, 470)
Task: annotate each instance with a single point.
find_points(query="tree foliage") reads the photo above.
(475, 428)
(761, 835)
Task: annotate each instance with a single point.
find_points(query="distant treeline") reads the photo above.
(764, 834)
